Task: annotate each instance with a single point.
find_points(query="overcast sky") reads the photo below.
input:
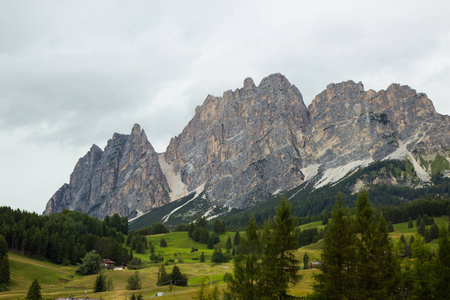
(74, 72)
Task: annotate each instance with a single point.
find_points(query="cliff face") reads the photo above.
(125, 178)
(256, 141)
(243, 146)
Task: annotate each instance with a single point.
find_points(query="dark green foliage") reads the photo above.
(137, 297)
(174, 278)
(410, 223)
(279, 265)
(213, 239)
(34, 292)
(422, 270)
(135, 264)
(442, 269)
(309, 236)
(177, 278)
(305, 260)
(418, 221)
(357, 257)
(219, 227)
(134, 282)
(91, 264)
(202, 257)
(247, 270)
(4, 265)
(63, 237)
(421, 229)
(100, 284)
(163, 243)
(156, 258)
(390, 227)
(228, 245)
(163, 277)
(219, 257)
(434, 232)
(5, 275)
(338, 278)
(237, 239)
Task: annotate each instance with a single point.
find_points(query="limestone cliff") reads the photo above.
(125, 178)
(253, 142)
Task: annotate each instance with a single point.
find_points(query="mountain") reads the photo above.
(255, 142)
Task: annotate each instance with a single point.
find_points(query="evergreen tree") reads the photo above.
(246, 267)
(422, 269)
(4, 270)
(337, 279)
(390, 227)
(418, 220)
(163, 243)
(421, 229)
(228, 245)
(442, 267)
(305, 260)
(202, 257)
(34, 292)
(410, 223)
(402, 239)
(100, 284)
(281, 244)
(376, 267)
(178, 278)
(237, 239)
(434, 232)
(163, 277)
(217, 227)
(134, 282)
(3, 246)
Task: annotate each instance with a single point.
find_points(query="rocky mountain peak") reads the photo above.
(249, 84)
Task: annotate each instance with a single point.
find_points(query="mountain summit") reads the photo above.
(256, 141)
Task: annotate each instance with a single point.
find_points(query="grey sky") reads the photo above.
(74, 72)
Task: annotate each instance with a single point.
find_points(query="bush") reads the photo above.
(134, 282)
(91, 264)
(219, 257)
(156, 258)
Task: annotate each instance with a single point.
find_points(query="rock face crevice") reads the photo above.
(254, 142)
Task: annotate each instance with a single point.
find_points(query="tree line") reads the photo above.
(65, 237)
(360, 262)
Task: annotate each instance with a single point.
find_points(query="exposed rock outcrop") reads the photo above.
(125, 178)
(256, 141)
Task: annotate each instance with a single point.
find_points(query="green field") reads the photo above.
(61, 281)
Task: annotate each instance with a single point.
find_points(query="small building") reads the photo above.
(314, 265)
(108, 264)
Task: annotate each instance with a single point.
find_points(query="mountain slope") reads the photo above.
(240, 149)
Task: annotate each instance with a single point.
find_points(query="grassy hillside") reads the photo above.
(61, 281)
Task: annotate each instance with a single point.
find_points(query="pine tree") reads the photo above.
(422, 269)
(442, 268)
(418, 220)
(281, 244)
(134, 282)
(34, 292)
(100, 284)
(228, 245)
(421, 229)
(4, 270)
(162, 275)
(337, 280)
(246, 267)
(376, 268)
(237, 239)
(305, 260)
(202, 257)
(163, 243)
(410, 223)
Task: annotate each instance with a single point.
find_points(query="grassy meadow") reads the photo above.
(61, 281)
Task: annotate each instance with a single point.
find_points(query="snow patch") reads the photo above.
(139, 214)
(334, 174)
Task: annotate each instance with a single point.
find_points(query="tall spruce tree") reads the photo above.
(442, 268)
(4, 263)
(422, 269)
(282, 243)
(34, 291)
(376, 268)
(338, 279)
(246, 265)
